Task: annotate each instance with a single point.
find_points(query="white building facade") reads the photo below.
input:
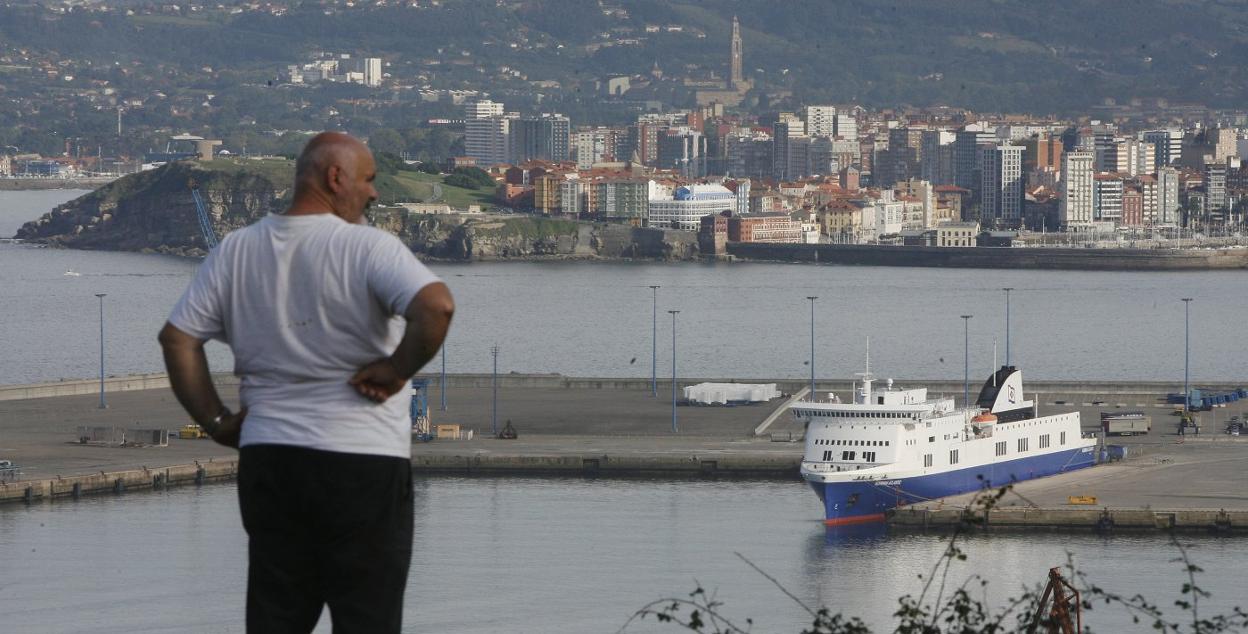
(1001, 185)
(688, 204)
(1075, 211)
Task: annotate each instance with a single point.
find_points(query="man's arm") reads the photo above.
(428, 317)
(187, 366)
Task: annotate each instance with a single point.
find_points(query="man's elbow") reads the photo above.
(170, 338)
(433, 304)
(166, 335)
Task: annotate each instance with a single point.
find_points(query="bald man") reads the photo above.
(328, 319)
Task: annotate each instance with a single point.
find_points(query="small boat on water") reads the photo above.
(73, 274)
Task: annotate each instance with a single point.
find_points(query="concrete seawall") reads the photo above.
(31, 184)
(112, 384)
(1104, 520)
(742, 465)
(118, 481)
(996, 257)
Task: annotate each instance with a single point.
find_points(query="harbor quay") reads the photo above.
(618, 427)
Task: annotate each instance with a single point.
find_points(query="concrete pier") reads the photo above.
(613, 427)
(1184, 483)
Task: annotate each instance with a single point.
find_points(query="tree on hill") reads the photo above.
(470, 178)
(386, 141)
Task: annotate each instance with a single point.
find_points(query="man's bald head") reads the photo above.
(334, 173)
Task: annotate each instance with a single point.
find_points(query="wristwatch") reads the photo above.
(213, 426)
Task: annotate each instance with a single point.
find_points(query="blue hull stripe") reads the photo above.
(844, 501)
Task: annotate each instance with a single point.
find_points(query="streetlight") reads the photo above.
(674, 313)
(442, 383)
(103, 405)
(966, 360)
(1007, 326)
(1187, 304)
(654, 341)
(812, 346)
(494, 424)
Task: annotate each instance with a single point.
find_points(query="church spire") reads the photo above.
(735, 76)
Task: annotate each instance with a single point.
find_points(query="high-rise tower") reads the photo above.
(736, 78)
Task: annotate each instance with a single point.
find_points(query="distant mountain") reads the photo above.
(989, 55)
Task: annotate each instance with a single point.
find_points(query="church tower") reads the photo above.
(736, 78)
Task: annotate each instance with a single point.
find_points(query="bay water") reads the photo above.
(575, 555)
(736, 320)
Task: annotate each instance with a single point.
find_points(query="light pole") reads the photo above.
(674, 313)
(442, 383)
(1187, 399)
(103, 405)
(494, 415)
(1007, 326)
(654, 341)
(812, 346)
(966, 360)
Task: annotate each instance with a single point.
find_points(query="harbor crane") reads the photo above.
(205, 221)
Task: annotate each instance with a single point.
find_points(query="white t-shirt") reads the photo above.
(304, 302)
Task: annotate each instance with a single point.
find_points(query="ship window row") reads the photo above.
(836, 414)
(851, 443)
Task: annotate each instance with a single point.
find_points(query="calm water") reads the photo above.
(736, 320)
(547, 556)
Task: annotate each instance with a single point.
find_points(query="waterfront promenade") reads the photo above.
(615, 427)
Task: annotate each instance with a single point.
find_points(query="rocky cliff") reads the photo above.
(154, 211)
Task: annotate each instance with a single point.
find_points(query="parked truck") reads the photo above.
(1125, 423)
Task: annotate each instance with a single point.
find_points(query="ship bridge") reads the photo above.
(888, 405)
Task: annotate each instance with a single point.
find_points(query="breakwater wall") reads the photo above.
(30, 184)
(995, 257)
(1084, 519)
(200, 472)
(557, 381)
(79, 387)
(740, 465)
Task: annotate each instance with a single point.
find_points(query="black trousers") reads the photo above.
(325, 528)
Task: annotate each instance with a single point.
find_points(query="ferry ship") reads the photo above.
(891, 447)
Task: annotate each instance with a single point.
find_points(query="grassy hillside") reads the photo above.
(395, 187)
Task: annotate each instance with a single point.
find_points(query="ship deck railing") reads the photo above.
(829, 467)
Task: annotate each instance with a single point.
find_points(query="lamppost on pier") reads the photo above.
(494, 417)
(812, 346)
(1187, 304)
(966, 360)
(654, 340)
(103, 405)
(442, 383)
(674, 313)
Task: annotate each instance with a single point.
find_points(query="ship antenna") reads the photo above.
(994, 361)
(868, 355)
